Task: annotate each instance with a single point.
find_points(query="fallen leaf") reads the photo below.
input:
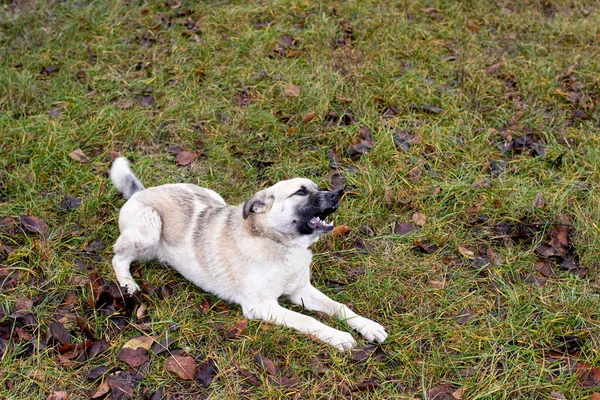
(427, 109)
(291, 90)
(464, 316)
(50, 69)
(544, 268)
(588, 375)
(206, 372)
(69, 204)
(162, 346)
(494, 258)
(33, 224)
(184, 158)
(458, 394)
(23, 304)
(358, 149)
(437, 284)
(58, 396)
(366, 385)
(204, 307)
(595, 396)
(403, 229)
(55, 112)
(426, 247)
(183, 366)
(466, 252)
(539, 201)
(97, 373)
(251, 377)
(440, 392)
(338, 181)
(557, 396)
(237, 329)
(78, 155)
(362, 353)
(58, 332)
(122, 385)
(265, 363)
(309, 117)
(340, 230)
(419, 218)
(101, 391)
(133, 357)
(147, 101)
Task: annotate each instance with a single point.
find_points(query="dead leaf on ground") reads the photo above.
(426, 246)
(78, 155)
(539, 201)
(133, 357)
(366, 385)
(183, 366)
(340, 230)
(69, 204)
(419, 218)
(58, 332)
(403, 229)
(291, 90)
(440, 392)
(464, 316)
(358, 149)
(362, 353)
(206, 372)
(404, 140)
(466, 252)
(122, 385)
(183, 157)
(23, 304)
(147, 101)
(588, 375)
(265, 363)
(33, 225)
(101, 391)
(427, 109)
(237, 329)
(58, 396)
(309, 117)
(595, 396)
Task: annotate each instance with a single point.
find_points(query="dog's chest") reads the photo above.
(294, 270)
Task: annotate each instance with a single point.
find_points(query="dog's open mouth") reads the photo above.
(318, 223)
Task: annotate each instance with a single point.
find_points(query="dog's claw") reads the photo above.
(371, 330)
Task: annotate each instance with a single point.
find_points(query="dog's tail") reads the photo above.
(123, 179)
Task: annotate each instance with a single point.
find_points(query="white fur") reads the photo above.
(152, 227)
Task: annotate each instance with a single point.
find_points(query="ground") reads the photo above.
(467, 135)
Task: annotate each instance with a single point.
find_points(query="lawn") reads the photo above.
(465, 137)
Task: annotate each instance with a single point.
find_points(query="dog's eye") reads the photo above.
(301, 192)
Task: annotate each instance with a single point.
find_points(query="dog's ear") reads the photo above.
(258, 204)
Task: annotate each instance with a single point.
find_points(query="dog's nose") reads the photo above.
(332, 196)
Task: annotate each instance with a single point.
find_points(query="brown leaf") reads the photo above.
(183, 366)
(366, 385)
(427, 109)
(494, 68)
(101, 391)
(58, 396)
(466, 252)
(425, 246)
(338, 181)
(237, 329)
(69, 204)
(266, 364)
(362, 353)
(122, 385)
(78, 155)
(184, 158)
(250, 376)
(162, 346)
(147, 101)
(358, 149)
(464, 316)
(340, 230)
(419, 218)
(414, 175)
(133, 357)
(458, 394)
(33, 225)
(58, 332)
(595, 396)
(204, 307)
(440, 392)
(403, 229)
(206, 372)
(23, 304)
(309, 117)
(494, 258)
(97, 373)
(588, 375)
(291, 90)
(539, 201)
(543, 268)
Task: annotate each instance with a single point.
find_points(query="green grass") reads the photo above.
(398, 56)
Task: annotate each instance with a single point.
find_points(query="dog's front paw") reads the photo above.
(340, 340)
(370, 330)
(129, 285)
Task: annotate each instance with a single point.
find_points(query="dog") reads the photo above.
(250, 254)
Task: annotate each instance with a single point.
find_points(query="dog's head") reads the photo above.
(293, 208)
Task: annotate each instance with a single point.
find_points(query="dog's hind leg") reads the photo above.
(274, 313)
(140, 236)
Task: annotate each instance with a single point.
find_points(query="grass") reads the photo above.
(397, 54)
